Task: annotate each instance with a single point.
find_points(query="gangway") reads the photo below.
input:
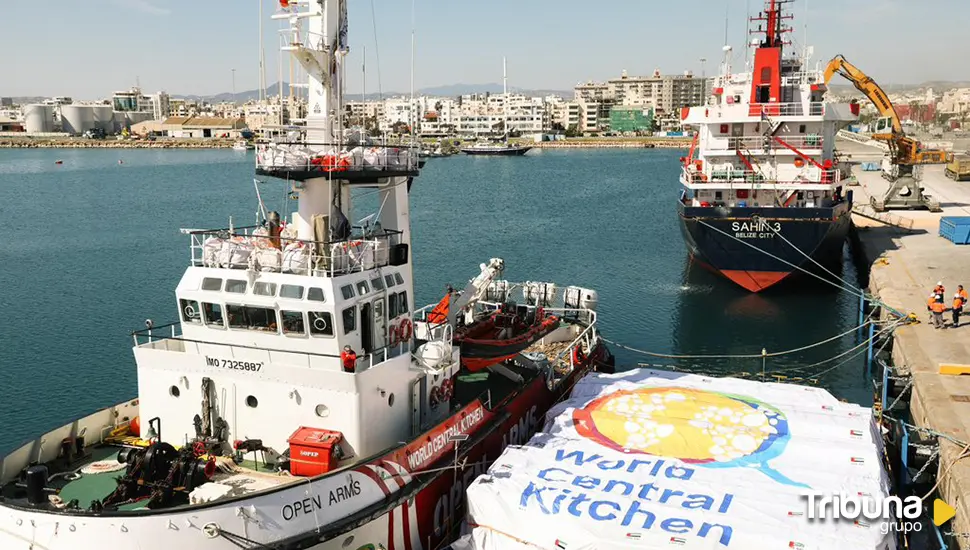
(885, 218)
(863, 140)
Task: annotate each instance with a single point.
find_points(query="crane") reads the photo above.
(447, 310)
(904, 152)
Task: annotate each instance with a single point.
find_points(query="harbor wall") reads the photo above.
(902, 260)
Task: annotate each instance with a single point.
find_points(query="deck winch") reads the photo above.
(158, 473)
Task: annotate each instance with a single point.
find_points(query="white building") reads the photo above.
(955, 102)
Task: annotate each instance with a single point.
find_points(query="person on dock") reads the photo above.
(959, 300)
(938, 289)
(938, 308)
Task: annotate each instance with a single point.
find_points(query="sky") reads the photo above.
(89, 48)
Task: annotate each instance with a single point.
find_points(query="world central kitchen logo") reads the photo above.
(895, 514)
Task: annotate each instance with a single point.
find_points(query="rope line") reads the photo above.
(740, 356)
(811, 259)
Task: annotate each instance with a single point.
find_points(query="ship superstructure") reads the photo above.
(301, 400)
(763, 188)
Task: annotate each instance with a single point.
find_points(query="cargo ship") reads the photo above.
(300, 400)
(763, 191)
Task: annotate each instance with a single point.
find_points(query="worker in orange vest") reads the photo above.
(938, 308)
(938, 289)
(349, 359)
(959, 300)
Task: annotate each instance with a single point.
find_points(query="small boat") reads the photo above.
(504, 148)
(502, 335)
(58, 162)
(242, 145)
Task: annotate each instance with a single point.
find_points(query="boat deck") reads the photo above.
(95, 476)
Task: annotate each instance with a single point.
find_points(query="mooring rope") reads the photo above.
(739, 356)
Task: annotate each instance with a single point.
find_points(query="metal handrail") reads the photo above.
(759, 142)
(384, 351)
(753, 176)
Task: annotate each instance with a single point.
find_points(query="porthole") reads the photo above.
(174, 391)
(252, 401)
(322, 411)
(390, 400)
(348, 541)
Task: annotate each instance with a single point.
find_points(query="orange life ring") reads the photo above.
(395, 337)
(578, 356)
(405, 329)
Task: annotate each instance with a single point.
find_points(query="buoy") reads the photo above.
(134, 427)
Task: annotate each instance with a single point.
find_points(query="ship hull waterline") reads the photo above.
(745, 245)
(422, 504)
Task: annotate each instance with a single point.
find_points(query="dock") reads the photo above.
(907, 258)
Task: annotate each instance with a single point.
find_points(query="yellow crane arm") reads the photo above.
(867, 86)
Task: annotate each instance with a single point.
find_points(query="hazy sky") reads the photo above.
(89, 48)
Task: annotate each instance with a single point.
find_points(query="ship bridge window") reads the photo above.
(350, 319)
(317, 295)
(212, 314)
(252, 318)
(362, 288)
(389, 280)
(190, 312)
(292, 322)
(291, 291)
(397, 304)
(801, 128)
(210, 283)
(321, 323)
(264, 289)
(398, 278)
(347, 291)
(236, 287)
(377, 283)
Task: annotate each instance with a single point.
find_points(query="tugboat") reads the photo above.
(300, 400)
(762, 194)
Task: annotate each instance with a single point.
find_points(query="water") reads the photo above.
(91, 249)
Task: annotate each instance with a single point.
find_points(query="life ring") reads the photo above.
(394, 335)
(578, 356)
(320, 324)
(447, 389)
(189, 312)
(405, 329)
(540, 314)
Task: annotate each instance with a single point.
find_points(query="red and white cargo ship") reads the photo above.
(301, 401)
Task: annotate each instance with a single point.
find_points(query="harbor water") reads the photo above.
(92, 248)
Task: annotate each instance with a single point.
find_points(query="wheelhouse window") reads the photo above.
(377, 283)
(190, 312)
(397, 304)
(236, 287)
(212, 314)
(362, 288)
(389, 280)
(293, 322)
(264, 289)
(321, 323)
(210, 283)
(294, 292)
(402, 302)
(347, 291)
(350, 319)
(252, 318)
(316, 295)
(398, 278)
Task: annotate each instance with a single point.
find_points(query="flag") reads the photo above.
(284, 3)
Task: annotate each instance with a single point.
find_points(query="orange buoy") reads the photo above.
(134, 427)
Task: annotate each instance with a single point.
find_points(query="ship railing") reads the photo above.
(252, 248)
(168, 337)
(335, 158)
(763, 142)
(812, 175)
(801, 77)
(786, 109)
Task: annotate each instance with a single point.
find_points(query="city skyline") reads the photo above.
(546, 43)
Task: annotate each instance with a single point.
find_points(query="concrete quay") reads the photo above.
(905, 265)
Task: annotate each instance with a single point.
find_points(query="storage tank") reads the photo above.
(39, 118)
(77, 119)
(134, 117)
(104, 118)
(119, 121)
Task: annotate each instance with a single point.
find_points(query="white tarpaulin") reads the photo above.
(657, 460)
